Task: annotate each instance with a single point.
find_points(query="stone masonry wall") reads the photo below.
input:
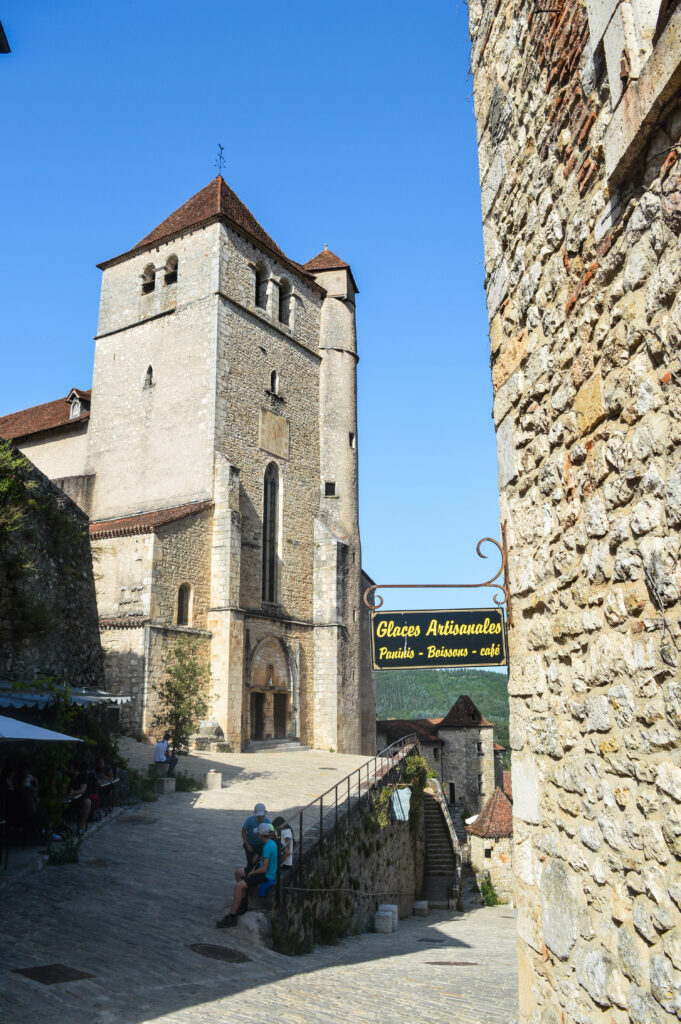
(585, 324)
(499, 864)
(467, 755)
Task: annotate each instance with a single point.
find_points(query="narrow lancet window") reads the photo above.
(183, 596)
(270, 530)
(148, 279)
(284, 303)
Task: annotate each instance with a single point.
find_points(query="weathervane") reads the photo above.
(220, 160)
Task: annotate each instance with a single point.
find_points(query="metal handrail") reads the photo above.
(371, 775)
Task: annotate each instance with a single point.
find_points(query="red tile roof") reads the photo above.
(508, 784)
(464, 715)
(395, 728)
(499, 746)
(495, 819)
(326, 260)
(214, 202)
(145, 522)
(42, 417)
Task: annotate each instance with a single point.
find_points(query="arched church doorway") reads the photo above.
(271, 692)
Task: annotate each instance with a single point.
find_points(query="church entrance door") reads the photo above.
(257, 716)
(280, 705)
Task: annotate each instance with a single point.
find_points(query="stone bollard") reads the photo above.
(156, 771)
(384, 921)
(420, 908)
(164, 786)
(394, 910)
(212, 780)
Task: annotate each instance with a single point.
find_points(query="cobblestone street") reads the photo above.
(154, 879)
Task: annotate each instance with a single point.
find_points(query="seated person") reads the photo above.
(77, 791)
(263, 877)
(239, 900)
(103, 771)
(249, 834)
(163, 755)
(285, 833)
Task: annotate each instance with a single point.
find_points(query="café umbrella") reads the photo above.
(11, 729)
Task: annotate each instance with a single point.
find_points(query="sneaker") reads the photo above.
(228, 921)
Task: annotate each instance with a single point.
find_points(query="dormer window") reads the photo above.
(148, 279)
(75, 408)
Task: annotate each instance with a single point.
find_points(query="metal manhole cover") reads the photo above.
(136, 819)
(52, 974)
(224, 953)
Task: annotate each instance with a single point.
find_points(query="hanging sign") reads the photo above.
(470, 637)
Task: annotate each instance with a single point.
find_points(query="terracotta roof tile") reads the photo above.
(499, 746)
(145, 522)
(326, 260)
(464, 715)
(495, 819)
(396, 728)
(508, 784)
(216, 201)
(42, 417)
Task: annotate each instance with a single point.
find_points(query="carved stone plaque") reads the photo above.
(274, 434)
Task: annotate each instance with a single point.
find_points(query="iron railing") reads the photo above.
(333, 810)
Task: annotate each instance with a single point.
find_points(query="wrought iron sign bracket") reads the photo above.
(373, 601)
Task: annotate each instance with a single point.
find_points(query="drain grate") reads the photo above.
(452, 963)
(224, 953)
(136, 819)
(52, 974)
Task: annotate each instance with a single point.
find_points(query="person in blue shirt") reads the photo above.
(263, 876)
(249, 834)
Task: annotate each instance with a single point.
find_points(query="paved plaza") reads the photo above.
(152, 882)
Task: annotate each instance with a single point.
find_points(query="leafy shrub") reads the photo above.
(488, 892)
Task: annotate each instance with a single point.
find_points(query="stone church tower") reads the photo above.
(219, 469)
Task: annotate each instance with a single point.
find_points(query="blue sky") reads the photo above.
(349, 125)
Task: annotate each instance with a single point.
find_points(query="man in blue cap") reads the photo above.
(263, 876)
(249, 834)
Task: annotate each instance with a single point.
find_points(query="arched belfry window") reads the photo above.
(170, 276)
(260, 286)
(284, 303)
(270, 530)
(183, 602)
(148, 279)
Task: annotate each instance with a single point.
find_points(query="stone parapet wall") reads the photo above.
(585, 326)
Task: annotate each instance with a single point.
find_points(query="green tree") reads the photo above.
(183, 693)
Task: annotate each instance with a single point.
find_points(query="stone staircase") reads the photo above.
(274, 746)
(440, 857)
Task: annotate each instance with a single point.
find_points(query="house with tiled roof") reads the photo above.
(459, 747)
(491, 843)
(216, 456)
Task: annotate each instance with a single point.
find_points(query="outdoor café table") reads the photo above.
(106, 788)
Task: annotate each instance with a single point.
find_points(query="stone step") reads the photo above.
(274, 746)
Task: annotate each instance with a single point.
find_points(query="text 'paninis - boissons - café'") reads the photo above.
(439, 639)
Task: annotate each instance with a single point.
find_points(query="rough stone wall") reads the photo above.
(182, 556)
(499, 864)
(48, 611)
(125, 651)
(585, 322)
(467, 755)
(386, 863)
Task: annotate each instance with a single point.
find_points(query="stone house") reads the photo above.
(216, 455)
(578, 108)
(491, 844)
(459, 747)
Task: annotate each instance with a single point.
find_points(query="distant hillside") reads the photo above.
(431, 693)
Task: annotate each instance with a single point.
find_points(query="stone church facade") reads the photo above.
(216, 456)
(578, 108)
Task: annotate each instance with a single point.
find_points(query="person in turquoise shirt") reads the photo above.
(263, 877)
(249, 834)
